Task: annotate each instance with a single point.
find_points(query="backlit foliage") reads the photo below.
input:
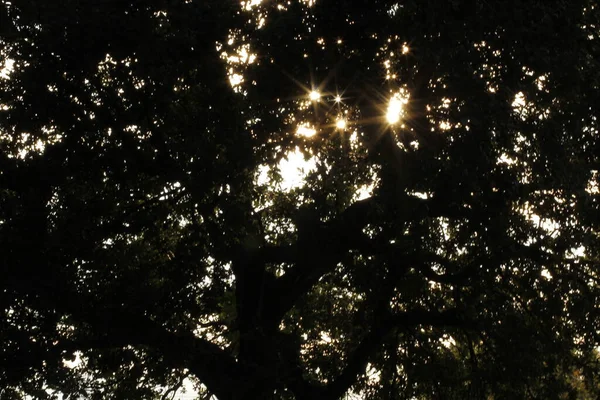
(298, 199)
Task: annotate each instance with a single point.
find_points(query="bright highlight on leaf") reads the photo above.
(394, 110)
(314, 95)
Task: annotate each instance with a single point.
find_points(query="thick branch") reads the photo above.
(321, 247)
(115, 327)
(317, 252)
(462, 275)
(277, 254)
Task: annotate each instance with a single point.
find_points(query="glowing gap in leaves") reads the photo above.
(305, 130)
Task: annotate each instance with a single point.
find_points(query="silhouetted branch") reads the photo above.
(358, 358)
(173, 390)
(120, 328)
(318, 251)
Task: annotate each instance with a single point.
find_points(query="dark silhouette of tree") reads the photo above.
(145, 231)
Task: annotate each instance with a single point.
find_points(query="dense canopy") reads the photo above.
(300, 199)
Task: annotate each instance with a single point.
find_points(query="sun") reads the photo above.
(394, 110)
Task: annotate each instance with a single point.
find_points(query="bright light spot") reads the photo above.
(519, 106)
(261, 23)
(541, 81)
(243, 56)
(263, 175)
(75, 362)
(592, 186)
(294, 168)
(576, 252)
(505, 159)
(314, 96)
(341, 124)
(394, 110)
(305, 130)
(519, 100)
(420, 195)
(338, 99)
(365, 191)
(8, 67)
(445, 125)
(447, 341)
(373, 375)
(325, 338)
(248, 5)
(546, 274)
(235, 79)
(405, 49)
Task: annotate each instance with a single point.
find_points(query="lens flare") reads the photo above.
(314, 95)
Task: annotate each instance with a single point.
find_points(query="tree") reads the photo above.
(448, 251)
